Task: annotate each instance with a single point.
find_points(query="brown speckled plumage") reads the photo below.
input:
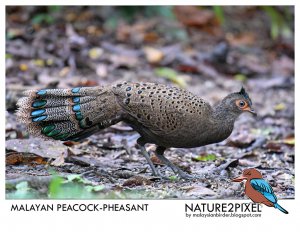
(165, 116)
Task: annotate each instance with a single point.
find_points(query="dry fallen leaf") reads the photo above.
(137, 181)
(102, 70)
(40, 147)
(193, 16)
(14, 158)
(86, 82)
(289, 141)
(241, 140)
(124, 60)
(64, 72)
(274, 146)
(245, 38)
(156, 160)
(151, 37)
(200, 191)
(59, 161)
(153, 55)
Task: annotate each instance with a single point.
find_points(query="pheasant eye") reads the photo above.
(242, 104)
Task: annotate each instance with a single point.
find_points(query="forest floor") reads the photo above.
(79, 46)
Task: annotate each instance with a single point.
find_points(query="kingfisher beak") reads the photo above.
(250, 110)
(239, 179)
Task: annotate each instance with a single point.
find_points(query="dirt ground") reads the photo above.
(83, 46)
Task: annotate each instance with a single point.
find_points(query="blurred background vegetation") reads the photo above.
(280, 18)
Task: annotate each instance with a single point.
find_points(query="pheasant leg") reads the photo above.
(159, 153)
(141, 145)
(155, 172)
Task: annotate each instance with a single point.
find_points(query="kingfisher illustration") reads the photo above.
(258, 190)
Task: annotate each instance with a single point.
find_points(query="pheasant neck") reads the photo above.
(223, 120)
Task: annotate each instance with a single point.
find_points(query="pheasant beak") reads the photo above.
(250, 110)
(239, 179)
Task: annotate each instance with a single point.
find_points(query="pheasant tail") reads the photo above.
(68, 114)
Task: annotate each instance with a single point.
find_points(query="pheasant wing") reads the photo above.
(152, 105)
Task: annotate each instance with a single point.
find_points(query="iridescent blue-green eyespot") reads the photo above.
(37, 112)
(48, 129)
(39, 103)
(76, 90)
(76, 99)
(53, 133)
(42, 92)
(76, 107)
(62, 136)
(40, 118)
(78, 115)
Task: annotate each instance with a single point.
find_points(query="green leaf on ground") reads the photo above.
(55, 186)
(96, 188)
(218, 10)
(280, 106)
(23, 191)
(171, 75)
(206, 157)
(240, 77)
(173, 178)
(262, 131)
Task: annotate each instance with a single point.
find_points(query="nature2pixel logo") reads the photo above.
(256, 188)
(259, 190)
